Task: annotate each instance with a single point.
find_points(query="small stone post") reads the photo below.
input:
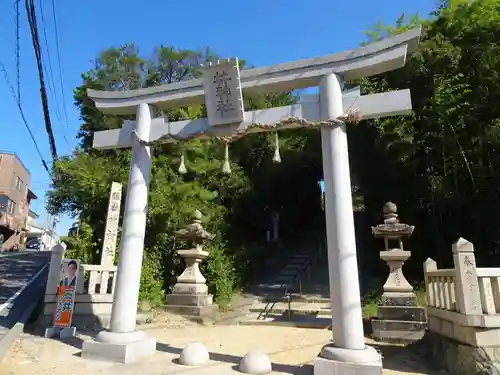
(399, 318)
(429, 266)
(56, 258)
(467, 284)
(190, 295)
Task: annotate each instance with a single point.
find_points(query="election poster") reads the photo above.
(65, 297)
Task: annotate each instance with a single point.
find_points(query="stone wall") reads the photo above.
(461, 359)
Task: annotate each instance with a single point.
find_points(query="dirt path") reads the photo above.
(291, 350)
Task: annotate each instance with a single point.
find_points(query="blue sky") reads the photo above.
(263, 32)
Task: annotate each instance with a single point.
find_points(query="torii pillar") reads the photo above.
(347, 353)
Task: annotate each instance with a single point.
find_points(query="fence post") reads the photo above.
(467, 285)
(55, 268)
(429, 265)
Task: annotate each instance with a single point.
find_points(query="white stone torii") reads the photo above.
(348, 352)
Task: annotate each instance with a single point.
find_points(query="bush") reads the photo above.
(151, 289)
(220, 273)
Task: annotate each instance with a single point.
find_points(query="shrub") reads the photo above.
(220, 273)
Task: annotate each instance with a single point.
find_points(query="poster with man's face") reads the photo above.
(69, 273)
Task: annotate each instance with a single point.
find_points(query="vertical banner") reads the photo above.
(65, 297)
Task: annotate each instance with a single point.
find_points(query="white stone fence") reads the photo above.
(465, 295)
(101, 279)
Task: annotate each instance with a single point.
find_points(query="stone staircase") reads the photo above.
(298, 296)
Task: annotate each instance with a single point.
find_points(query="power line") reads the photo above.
(49, 71)
(13, 92)
(30, 11)
(18, 48)
(58, 51)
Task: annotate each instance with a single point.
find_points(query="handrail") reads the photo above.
(300, 277)
(289, 286)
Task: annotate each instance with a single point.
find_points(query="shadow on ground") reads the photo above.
(407, 359)
(305, 369)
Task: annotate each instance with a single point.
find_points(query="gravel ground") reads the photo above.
(292, 351)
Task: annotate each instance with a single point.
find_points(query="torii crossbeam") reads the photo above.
(221, 89)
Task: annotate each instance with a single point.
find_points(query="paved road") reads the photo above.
(17, 303)
(17, 270)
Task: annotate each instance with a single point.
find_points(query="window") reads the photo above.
(11, 206)
(4, 200)
(19, 184)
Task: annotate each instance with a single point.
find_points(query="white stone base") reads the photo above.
(119, 347)
(338, 361)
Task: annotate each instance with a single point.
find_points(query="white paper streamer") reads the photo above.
(277, 156)
(226, 168)
(182, 167)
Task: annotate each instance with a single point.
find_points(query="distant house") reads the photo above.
(15, 200)
(45, 236)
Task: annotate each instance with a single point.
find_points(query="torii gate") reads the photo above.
(221, 90)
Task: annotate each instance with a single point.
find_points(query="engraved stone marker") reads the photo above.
(111, 231)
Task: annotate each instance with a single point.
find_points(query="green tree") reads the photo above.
(81, 182)
(440, 163)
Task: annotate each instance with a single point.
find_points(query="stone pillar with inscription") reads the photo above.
(399, 318)
(190, 296)
(111, 231)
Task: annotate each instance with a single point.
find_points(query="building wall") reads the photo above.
(14, 182)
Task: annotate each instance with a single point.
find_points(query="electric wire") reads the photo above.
(48, 70)
(14, 95)
(31, 13)
(50, 73)
(18, 51)
(58, 51)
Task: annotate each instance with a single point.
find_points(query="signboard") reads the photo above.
(65, 296)
(223, 95)
(111, 230)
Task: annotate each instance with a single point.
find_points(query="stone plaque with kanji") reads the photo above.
(111, 230)
(223, 95)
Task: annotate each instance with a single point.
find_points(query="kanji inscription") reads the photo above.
(223, 95)
(111, 231)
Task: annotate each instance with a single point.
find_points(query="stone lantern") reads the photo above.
(190, 294)
(399, 318)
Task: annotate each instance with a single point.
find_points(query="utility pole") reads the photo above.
(31, 13)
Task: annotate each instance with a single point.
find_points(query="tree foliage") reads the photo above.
(236, 207)
(440, 163)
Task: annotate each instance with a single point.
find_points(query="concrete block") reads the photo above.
(407, 313)
(128, 352)
(323, 366)
(409, 300)
(61, 333)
